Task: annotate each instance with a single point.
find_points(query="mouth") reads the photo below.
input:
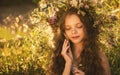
(75, 37)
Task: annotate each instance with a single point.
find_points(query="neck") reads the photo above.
(77, 50)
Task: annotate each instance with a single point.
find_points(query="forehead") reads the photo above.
(72, 20)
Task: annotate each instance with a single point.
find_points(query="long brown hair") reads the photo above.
(90, 58)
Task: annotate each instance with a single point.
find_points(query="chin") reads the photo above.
(76, 41)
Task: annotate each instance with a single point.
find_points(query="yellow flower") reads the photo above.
(6, 52)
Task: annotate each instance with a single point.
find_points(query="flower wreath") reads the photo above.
(50, 11)
(61, 7)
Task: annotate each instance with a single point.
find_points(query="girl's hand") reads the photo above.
(76, 71)
(66, 52)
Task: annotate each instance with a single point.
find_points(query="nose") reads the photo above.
(73, 31)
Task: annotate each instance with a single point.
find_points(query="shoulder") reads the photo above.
(105, 63)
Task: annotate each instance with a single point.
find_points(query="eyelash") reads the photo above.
(79, 26)
(76, 27)
(67, 28)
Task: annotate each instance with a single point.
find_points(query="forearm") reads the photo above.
(67, 69)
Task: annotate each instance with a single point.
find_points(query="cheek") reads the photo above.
(82, 33)
(67, 33)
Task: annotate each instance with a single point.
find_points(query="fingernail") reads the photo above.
(65, 40)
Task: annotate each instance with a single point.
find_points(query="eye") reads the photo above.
(79, 26)
(67, 28)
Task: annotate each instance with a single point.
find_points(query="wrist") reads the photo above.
(68, 63)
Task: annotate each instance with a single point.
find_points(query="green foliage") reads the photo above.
(107, 18)
(109, 35)
(40, 43)
(31, 54)
(114, 58)
(5, 33)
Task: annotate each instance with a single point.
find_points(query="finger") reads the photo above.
(70, 50)
(65, 47)
(64, 52)
(78, 71)
(64, 43)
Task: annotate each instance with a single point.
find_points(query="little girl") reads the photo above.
(77, 49)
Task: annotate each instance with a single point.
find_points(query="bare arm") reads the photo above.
(67, 69)
(105, 64)
(67, 55)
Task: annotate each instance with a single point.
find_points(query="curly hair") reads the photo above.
(90, 58)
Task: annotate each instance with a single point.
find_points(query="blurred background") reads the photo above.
(27, 29)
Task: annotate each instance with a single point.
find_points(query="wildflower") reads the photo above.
(52, 19)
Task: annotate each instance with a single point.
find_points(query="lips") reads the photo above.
(75, 37)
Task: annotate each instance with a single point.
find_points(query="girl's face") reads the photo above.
(74, 29)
